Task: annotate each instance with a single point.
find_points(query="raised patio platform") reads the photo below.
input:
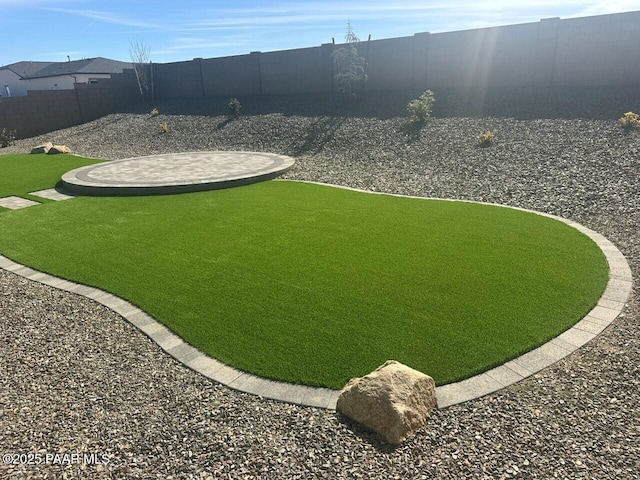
(175, 173)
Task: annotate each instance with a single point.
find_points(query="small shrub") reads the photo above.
(7, 137)
(164, 127)
(486, 138)
(630, 120)
(155, 112)
(420, 108)
(234, 107)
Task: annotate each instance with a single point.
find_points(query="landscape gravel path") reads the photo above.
(77, 378)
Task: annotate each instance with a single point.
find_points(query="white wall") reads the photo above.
(63, 82)
(19, 87)
(7, 77)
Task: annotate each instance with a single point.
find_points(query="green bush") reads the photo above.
(7, 137)
(234, 107)
(350, 78)
(630, 120)
(420, 108)
(350, 66)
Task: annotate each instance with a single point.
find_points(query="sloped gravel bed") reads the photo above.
(77, 378)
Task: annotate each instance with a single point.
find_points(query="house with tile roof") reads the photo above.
(16, 79)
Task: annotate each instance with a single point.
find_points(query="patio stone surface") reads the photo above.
(15, 203)
(175, 173)
(52, 194)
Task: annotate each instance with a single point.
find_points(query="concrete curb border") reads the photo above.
(609, 306)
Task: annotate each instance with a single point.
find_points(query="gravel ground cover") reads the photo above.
(77, 378)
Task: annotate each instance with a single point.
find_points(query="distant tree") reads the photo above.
(350, 67)
(350, 36)
(140, 55)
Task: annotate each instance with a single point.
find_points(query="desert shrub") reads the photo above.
(164, 127)
(486, 138)
(234, 107)
(630, 120)
(155, 112)
(7, 137)
(420, 108)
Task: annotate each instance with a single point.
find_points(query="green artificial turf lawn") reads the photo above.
(24, 173)
(314, 284)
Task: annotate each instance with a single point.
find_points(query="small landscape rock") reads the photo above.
(58, 149)
(44, 148)
(393, 400)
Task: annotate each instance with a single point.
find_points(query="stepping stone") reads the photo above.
(52, 194)
(14, 203)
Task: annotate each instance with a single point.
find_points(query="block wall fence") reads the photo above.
(42, 111)
(598, 51)
(579, 52)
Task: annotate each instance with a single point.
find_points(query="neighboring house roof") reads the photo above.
(25, 69)
(98, 65)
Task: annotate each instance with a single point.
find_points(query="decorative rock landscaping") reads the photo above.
(58, 149)
(44, 148)
(50, 149)
(393, 401)
(79, 378)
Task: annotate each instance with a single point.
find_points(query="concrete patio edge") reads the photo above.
(609, 306)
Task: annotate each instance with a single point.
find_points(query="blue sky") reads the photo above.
(49, 30)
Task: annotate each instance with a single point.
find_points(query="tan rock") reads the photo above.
(393, 401)
(58, 149)
(44, 148)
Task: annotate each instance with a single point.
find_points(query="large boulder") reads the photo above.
(393, 401)
(44, 148)
(58, 149)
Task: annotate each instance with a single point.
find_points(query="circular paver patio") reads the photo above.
(175, 173)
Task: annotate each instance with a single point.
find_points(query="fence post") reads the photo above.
(153, 82)
(420, 66)
(327, 61)
(199, 64)
(79, 103)
(256, 56)
(546, 52)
